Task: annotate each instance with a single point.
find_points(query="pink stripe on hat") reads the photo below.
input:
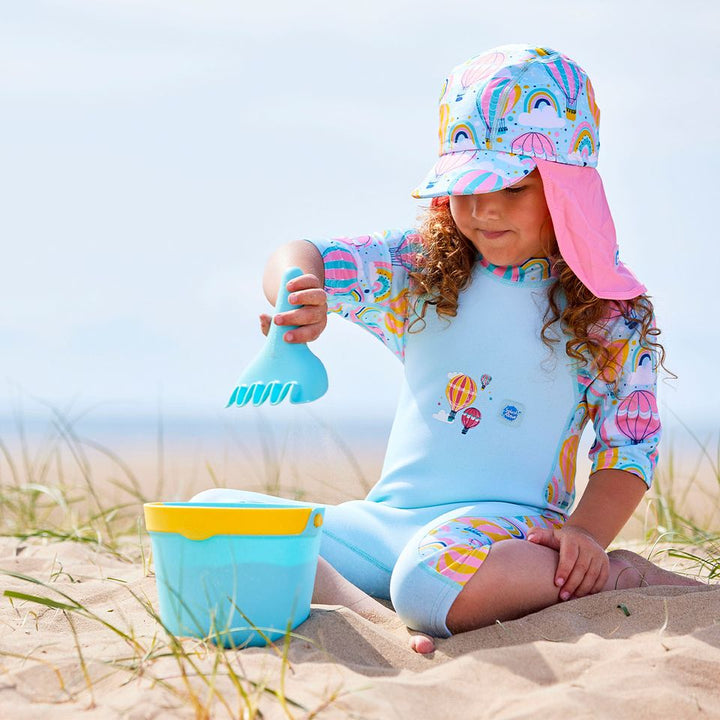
(585, 231)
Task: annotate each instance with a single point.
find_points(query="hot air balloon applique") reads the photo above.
(485, 381)
(460, 391)
(470, 418)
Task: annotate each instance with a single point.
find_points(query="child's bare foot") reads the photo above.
(642, 573)
(421, 643)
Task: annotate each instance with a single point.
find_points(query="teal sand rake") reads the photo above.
(282, 369)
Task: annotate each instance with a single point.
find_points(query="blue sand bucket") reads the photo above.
(239, 574)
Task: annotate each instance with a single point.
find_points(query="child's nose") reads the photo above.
(486, 207)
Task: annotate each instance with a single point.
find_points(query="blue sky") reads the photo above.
(154, 154)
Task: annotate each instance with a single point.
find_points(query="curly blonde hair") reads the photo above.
(444, 269)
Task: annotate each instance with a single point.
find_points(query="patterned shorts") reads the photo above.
(457, 548)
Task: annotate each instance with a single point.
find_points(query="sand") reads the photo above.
(585, 658)
(581, 659)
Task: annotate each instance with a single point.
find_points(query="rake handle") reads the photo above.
(282, 304)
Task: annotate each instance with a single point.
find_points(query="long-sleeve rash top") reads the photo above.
(487, 412)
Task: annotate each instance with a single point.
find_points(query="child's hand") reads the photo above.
(583, 567)
(311, 318)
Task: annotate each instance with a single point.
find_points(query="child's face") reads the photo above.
(520, 211)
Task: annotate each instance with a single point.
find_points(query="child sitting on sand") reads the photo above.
(516, 323)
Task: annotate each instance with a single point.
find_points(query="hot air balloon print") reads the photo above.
(637, 416)
(470, 418)
(480, 67)
(451, 161)
(567, 77)
(534, 143)
(476, 181)
(485, 381)
(408, 253)
(489, 104)
(460, 392)
(341, 273)
(560, 489)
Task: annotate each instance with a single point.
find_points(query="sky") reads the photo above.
(154, 153)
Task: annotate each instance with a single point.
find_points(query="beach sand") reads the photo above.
(583, 659)
(645, 653)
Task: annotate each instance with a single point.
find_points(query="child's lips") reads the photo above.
(493, 235)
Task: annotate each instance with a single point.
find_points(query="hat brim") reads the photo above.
(472, 171)
(585, 231)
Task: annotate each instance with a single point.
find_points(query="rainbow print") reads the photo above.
(606, 459)
(641, 355)
(457, 548)
(368, 318)
(538, 99)
(533, 269)
(397, 313)
(463, 135)
(383, 282)
(592, 104)
(552, 491)
(583, 144)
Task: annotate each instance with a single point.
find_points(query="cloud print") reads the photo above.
(544, 116)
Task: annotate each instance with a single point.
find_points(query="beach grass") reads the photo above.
(50, 492)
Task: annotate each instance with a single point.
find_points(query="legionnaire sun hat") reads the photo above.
(516, 108)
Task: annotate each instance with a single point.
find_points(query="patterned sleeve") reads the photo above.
(366, 279)
(625, 415)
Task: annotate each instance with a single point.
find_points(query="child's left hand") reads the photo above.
(583, 567)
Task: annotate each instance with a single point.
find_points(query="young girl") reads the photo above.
(516, 323)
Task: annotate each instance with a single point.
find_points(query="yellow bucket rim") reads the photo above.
(202, 521)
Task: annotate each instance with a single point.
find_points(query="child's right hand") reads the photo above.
(311, 318)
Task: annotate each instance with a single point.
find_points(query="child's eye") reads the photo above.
(515, 190)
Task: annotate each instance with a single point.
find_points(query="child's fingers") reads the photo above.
(305, 315)
(304, 333)
(579, 570)
(303, 282)
(588, 582)
(313, 296)
(566, 565)
(602, 578)
(544, 536)
(265, 323)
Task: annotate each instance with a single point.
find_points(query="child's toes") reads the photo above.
(422, 644)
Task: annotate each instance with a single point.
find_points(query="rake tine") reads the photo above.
(280, 392)
(233, 397)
